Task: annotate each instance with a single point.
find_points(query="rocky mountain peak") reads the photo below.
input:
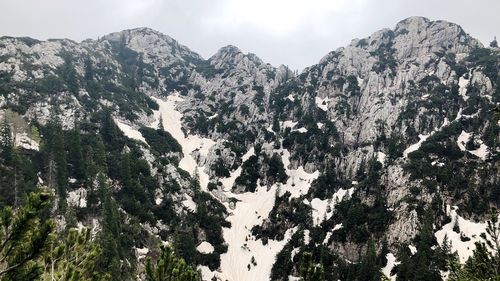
(419, 36)
(152, 44)
(232, 57)
(413, 39)
(413, 23)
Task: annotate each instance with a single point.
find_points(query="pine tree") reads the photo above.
(494, 43)
(74, 259)
(75, 155)
(369, 269)
(170, 268)
(160, 124)
(6, 141)
(111, 232)
(54, 154)
(25, 237)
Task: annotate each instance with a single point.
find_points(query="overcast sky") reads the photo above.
(292, 32)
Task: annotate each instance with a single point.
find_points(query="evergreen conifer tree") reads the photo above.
(170, 268)
(25, 237)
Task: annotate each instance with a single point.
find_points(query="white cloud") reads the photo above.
(276, 16)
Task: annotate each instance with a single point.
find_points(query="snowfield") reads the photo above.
(173, 124)
(463, 83)
(467, 228)
(250, 210)
(129, 131)
(322, 103)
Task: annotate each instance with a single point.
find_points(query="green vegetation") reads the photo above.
(170, 268)
(25, 238)
(160, 141)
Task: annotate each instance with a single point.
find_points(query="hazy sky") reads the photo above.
(292, 32)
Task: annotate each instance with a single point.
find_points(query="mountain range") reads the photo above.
(381, 159)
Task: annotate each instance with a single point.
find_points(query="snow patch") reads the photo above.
(322, 103)
(307, 237)
(250, 210)
(462, 91)
(299, 181)
(381, 157)
(481, 152)
(302, 130)
(173, 124)
(78, 198)
(416, 146)
(413, 249)
(129, 131)
(205, 248)
(391, 263)
(189, 203)
(337, 227)
(329, 234)
(467, 228)
(288, 124)
(323, 209)
(141, 253)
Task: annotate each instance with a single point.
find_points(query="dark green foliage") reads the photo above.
(17, 174)
(54, 156)
(360, 220)
(429, 258)
(249, 174)
(74, 258)
(326, 184)
(353, 87)
(68, 74)
(309, 271)
(112, 237)
(170, 268)
(207, 70)
(75, 155)
(220, 168)
(386, 59)
(369, 268)
(276, 170)
(160, 140)
(285, 212)
(25, 237)
(488, 60)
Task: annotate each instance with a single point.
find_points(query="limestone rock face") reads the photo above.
(364, 107)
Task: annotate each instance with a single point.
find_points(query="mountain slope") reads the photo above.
(249, 169)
